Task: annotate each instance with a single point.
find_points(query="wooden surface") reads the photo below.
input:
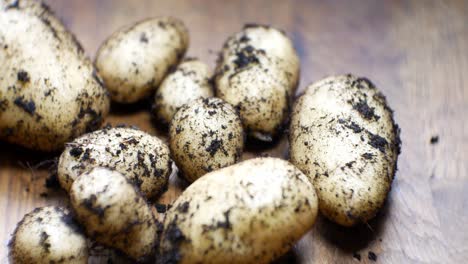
(417, 54)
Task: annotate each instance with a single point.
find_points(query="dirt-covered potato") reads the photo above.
(48, 235)
(344, 138)
(49, 92)
(258, 72)
(205, 135)
(189, 81)
(135, 59)
(251, 212)
(272, 42)
(142, 158)
(114, 213)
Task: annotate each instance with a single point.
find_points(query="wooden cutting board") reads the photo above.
(416, 52)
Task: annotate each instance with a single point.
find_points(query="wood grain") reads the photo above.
(415, 51)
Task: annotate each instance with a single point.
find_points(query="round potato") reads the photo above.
(274, 43)
(43, 72)
(344, 138)
(251, 212)
(142, 158)
(205, 135)
(257, 73)
(189, 81)
(135, 59)
(48, 235)
(114, 213)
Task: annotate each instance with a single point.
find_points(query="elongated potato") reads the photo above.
(205, 135)
(344, 138)
(114, 213)
(189, 81)
(251, 212)
(142, 158)
(257, 72)
(49, 92)
(48, 235)
(135, 59)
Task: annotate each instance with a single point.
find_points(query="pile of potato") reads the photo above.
(343, 140)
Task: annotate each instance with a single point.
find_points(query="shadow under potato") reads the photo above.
(356, 238)
(289, 258)
(256, 145)
(40, 177)
(120, 109)
(158, 123)
(21, 157)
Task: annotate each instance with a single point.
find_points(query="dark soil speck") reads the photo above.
(28, 106)
(378, 142)
(23, 76)
(214, 146)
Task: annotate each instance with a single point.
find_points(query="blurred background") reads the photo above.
(416, 52)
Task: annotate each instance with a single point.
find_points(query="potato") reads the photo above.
(189, 81)
(344, 138)
(49, 91)
(142, 158)
(258, 72)
(274, 43)
(114, 213)
(135, 59)
(48, 235)
(251, 212)
(205, 135)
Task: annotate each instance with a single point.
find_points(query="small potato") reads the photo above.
(114, 213)
(49, 91)
(189, 81)
(257, 73)
(344, 138)
(205, 135)
(48, 235)
(142, 158)
(135, 59)
(251, 212)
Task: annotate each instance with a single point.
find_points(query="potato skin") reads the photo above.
(142, 158)
(188, 82)
(250, 212)
(135, 59)
(344, 138)
(48, 235)
(272, 42)
(114, 213)
(205, 135)
(44, 71)
(257, 73)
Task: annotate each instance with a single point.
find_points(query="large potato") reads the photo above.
(189, 81)
(251, 212)
(48, 235)
(49, 92)
(114, 213)
(257, 72)
(344, 138)
(205, 135)
(142, 158)
(135, 59)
